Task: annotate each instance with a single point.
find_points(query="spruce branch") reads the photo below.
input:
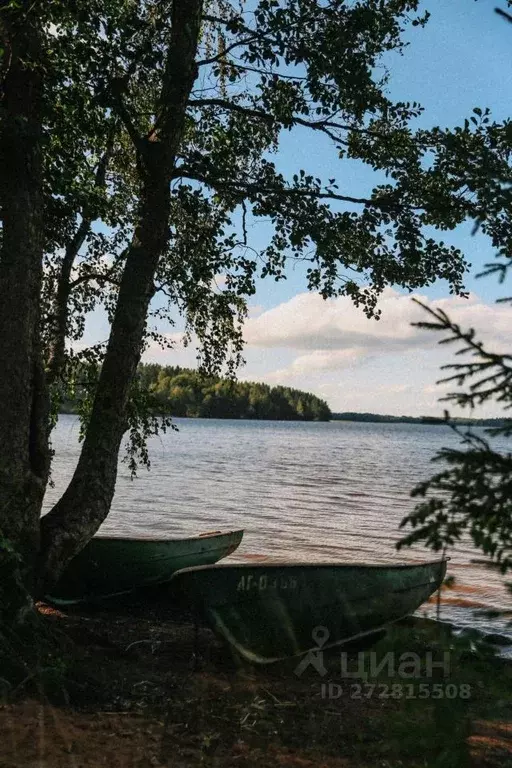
(487, 375)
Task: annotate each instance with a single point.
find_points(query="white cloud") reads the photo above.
(326, 360)
(307, 322)
(387, 366)
(438, 389)
(218, 283)
(397, 388)
(255, 310)
(332, 349)
(184, 356)
(317, 362)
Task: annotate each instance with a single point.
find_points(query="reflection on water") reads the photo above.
(334, 491)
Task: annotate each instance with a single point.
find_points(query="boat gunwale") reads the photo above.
(398, 566)
(166, 539)
(245, 598)
(225, 547)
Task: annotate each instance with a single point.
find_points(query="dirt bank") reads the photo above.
(137, 686)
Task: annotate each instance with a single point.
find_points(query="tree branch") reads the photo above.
(231, 106)
(98, 276)
(58, 344)
(503, 14)
(272, 73)
(120, 109)
(220, 56)
(493, 371)
(317, 125)
(246, 188)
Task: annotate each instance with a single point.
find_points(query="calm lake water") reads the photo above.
(302, 491)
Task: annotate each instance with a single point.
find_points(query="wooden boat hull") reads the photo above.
(110, 566)
(272, 611)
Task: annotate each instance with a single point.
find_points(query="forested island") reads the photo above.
(389, 419)
(189, 393)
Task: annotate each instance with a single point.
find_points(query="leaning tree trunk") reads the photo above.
(24, 456)
(86, 501)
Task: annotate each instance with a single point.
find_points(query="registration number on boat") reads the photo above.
(261, 583)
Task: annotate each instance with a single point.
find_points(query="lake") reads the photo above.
(302, 491)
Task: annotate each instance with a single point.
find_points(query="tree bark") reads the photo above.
(24, 455)
(86, 502)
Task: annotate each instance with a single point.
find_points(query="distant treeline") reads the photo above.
(189, 393)
(378, 417)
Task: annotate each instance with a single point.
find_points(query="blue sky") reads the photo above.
(460, 60)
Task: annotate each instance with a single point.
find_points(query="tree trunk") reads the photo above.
(24, 455)
(86, 501)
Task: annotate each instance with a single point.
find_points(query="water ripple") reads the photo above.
(314, 492)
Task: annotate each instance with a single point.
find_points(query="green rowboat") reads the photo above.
(109, 566)
(268, 611)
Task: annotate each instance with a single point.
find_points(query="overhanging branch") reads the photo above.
(317, 125)
(64, 286)
(248, 188)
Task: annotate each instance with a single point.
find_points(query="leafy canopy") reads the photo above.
(265, 71)
(472, 495)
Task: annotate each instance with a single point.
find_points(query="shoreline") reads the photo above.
(355, 417)
(138, 689)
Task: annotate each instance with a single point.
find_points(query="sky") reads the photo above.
(459, 61)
